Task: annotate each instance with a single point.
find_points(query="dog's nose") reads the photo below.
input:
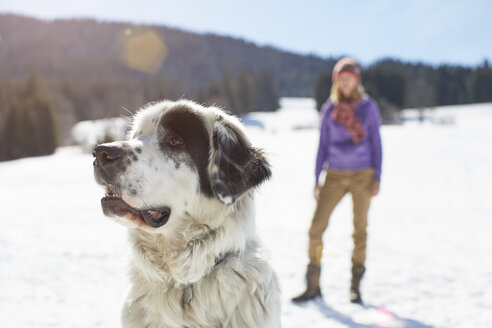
(107, 155)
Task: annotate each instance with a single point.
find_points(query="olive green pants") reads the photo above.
(337, 184)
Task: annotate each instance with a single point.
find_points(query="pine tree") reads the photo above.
(322, 88)
(481, 85)
(30, 127)
(246, 93)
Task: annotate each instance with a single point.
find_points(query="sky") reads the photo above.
(435, 32)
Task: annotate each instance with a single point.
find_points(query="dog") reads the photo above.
(183, 183)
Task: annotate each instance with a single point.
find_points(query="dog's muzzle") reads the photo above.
(109, 161)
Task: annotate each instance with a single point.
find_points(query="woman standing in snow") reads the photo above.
(350, 151)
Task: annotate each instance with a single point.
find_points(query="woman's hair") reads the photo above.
(336, 95)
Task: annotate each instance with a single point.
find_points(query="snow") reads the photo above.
(88, 134)
(63, 264)
(295, 114)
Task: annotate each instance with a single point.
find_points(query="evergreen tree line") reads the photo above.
(35, 116)
(396, 85)
(241, 94)
(28, 120)
(84, 99)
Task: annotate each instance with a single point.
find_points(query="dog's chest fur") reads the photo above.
(239, 291)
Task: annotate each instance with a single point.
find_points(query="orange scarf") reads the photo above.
(344, 113)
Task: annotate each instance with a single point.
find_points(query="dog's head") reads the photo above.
(177, 154)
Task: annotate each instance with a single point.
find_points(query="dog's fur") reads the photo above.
(193, 168)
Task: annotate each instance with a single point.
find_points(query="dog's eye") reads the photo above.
(175, 141)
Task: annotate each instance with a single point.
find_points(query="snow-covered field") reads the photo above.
(62, 263)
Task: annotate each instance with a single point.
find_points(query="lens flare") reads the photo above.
(144, 51)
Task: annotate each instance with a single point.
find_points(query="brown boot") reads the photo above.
(312, 280)
(357, 273)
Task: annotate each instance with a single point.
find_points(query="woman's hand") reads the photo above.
(374, 188)
(317, 190)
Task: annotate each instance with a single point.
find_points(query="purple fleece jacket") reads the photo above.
(336, 149)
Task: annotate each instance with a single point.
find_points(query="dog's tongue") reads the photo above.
(156, 218)
(155, 214)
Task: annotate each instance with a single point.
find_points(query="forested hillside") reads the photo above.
(92, 69)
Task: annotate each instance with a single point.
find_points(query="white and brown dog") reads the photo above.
(183, 183)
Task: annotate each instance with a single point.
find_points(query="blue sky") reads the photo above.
(457, 32)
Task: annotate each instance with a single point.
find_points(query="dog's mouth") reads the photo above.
(112, 204)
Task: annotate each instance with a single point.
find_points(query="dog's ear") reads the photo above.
(236, 166)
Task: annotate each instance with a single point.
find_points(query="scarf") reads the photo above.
(344, 113)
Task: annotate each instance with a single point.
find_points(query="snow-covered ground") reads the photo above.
(62, 263)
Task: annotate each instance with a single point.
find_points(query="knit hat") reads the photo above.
(346, 64)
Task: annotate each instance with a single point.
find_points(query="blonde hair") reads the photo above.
(336, 95)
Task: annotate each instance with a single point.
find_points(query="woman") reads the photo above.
(350, 151)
